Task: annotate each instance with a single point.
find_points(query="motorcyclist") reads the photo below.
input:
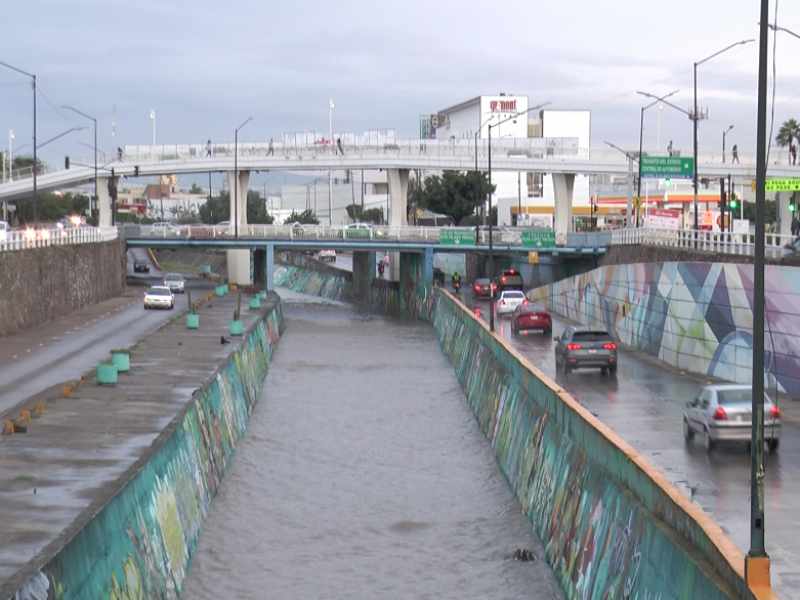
(456, 281)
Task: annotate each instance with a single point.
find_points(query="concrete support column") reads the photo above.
(269, 278)
(398, 213)
(238, 260)
(105, 210)
(563, 184)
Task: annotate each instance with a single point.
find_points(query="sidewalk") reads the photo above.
(76, 452)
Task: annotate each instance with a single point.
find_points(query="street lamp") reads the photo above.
(489, 210)
(35, 163)
(477, 199)
(631, 159)
(724, 133)
(153, 117)
(236, 177)
(10, 159)
(695, 117)
(95, 147)
(641, 132)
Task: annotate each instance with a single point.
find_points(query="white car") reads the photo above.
(164, 229)
(5, 228)
(510, 300)
(159, 296)
(328, 254)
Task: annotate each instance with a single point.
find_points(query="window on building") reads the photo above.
(380, 188)
(535, 183)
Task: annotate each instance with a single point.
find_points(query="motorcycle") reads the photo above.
(381, 267)
(457, 287)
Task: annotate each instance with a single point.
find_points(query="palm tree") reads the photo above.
(789, 131)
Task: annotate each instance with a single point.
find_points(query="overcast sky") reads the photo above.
(204, 66)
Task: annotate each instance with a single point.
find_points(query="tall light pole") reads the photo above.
(236, 178)
(491, 246)
(631, 160)
(330, 183)
(10, 157)
(724, 133)
(641, 132)
(35, 162)
(757, 550)
(95, 148)
(153, 118)
(695, 117)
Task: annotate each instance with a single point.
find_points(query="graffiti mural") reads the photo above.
(599, 540)
(139, 546)
(416, 299)
(694, 316)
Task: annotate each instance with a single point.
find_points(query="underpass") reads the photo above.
(644, 404)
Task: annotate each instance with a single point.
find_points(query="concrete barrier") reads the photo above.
(139, 544)
(612, 525)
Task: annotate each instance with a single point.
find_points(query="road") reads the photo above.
(644, 404)
(47, 356)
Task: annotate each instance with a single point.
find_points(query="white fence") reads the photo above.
(709, 241)
(55, 236)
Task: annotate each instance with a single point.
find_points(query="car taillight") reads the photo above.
(719, 414)
(494, 286)
(503, 279)
(524, 303)
(775, 412)
(477, 287)
(511, 271)
(611, 346)
(573, 346)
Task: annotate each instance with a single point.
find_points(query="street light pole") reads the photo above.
(153, 117)
(724, 133)
(95, 154)
(330, 184)
(696, 118)
(35, 163)
(491, 246)
(10, 156)
(641, 131)
(236, 178)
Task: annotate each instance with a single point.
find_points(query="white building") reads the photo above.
(529, 194)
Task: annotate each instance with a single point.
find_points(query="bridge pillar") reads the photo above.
(238, 260)
(269, 279)
(563, 184)
(105, 210)
(416, 283)
(398, 213)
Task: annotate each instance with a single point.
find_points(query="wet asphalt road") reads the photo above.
(644, 404)
(66, 358)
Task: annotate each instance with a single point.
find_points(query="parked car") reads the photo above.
(481, 288)
(175, 282)
(509, 300)
(164, 229)
(529, 316)
(586, 347)
(510, 279)
(361, 231)
(141, 265)
(723, 413)
(159, 296)
(5, 228)
(328, 254)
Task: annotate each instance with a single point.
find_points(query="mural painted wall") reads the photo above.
(601, 538)
(314, 283)
(140, 544)
(416, 286)
(694, 316)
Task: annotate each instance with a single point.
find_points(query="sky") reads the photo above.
(204, 66)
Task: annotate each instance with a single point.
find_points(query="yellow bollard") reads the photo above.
(26, 415)
(40, 407)
(66, 391)
(9, 427)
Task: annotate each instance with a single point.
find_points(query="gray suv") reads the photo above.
(582, 347)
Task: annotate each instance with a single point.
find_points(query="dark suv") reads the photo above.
(141, 265)
(509, 279)
(586, 347)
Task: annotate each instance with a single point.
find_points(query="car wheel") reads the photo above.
(603, 370)
(773, 444)
(688, 434)
(548, 331)
(613, 370)
(708, 442)
(565, 365)
(145, 306)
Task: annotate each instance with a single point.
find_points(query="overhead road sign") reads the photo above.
(538, 239)
(450, 236)
(663, 167)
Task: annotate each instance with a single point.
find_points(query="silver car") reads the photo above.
(159, 296)
(722, 413)
(175, 282)
(586, 347)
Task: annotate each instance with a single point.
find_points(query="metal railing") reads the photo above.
(54, 236)
(709, 241)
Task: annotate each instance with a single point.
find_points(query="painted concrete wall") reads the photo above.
(140, 544)
(694, 316)
(612, 525)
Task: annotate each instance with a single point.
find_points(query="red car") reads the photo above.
(481, 288)
(531, 316)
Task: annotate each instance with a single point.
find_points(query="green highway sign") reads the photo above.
(538, 239)
(780, 185)
(450, 236)
(661, 167)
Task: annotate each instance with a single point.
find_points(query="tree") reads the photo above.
(196, 189)
(789, 131)
(354, 212)
(372, 215)
(52, 207)
(453, 194)
(257, 213)
(307, 217)
(219, 209)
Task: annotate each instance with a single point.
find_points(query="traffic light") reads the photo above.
(667, 182)
(733, 202)
(136, 171)
(792, 206)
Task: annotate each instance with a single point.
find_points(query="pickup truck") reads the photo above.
(509, 280)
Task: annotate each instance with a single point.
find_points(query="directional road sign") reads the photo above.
(538, 239)
(661, 167)
(450, 236)
(780, 185)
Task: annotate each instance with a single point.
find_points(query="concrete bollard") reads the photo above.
(236, 328)
(255, 303)
(122, 360)
(106, 374)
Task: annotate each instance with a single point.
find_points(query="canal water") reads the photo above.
(363, 474)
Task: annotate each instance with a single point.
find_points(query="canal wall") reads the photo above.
(139, 544)
(611, 524)
(695, 316)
